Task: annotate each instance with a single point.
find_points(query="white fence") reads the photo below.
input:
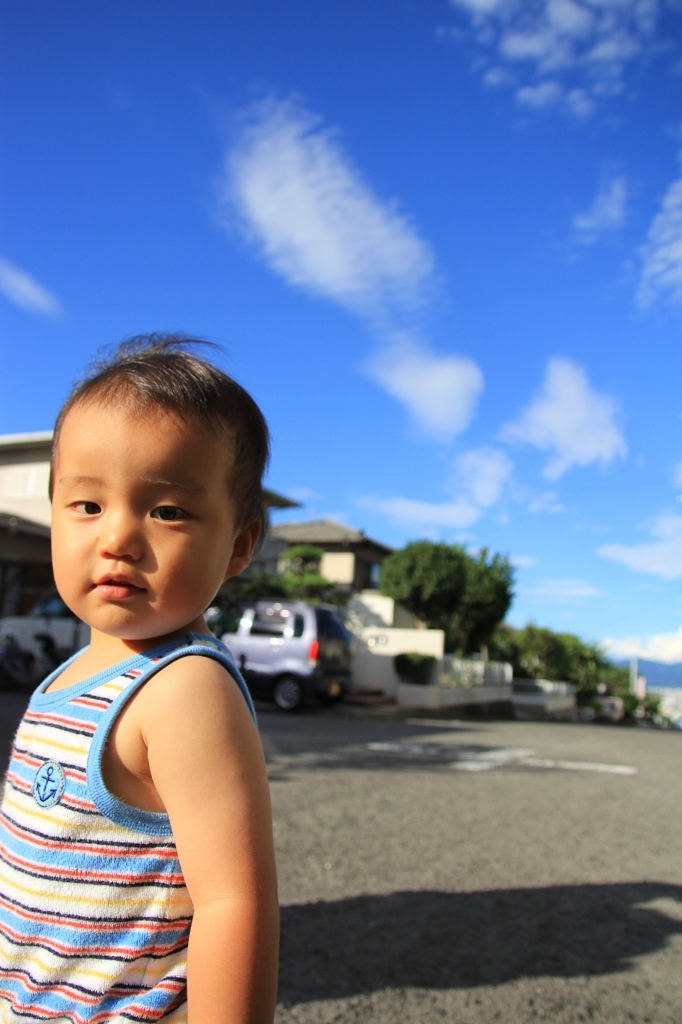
(464, 673)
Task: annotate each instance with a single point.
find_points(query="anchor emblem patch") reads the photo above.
(48, 784)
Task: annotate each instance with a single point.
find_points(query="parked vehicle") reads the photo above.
(49, 617)
(289, 651)
(32, 645)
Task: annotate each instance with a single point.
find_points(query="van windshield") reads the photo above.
(270, 620)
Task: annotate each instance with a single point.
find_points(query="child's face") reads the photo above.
(143, 525)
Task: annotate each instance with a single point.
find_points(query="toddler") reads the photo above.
(137, 875)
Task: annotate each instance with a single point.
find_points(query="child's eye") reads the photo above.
(169, 513)
(87, 508)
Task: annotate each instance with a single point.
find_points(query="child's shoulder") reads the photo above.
(196, 680)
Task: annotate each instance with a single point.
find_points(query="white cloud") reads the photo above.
(478, 480)
(569, 419)
(317, 224)
(548, 501)
(662, 254)
(545, 94)
(581, 48)
(482, 474)
(561, 591)
(659, 557)
(606, 213)
(523, 561)
(25, 292)
(454, 515)
(313, 218)
(665, 647)
(441, 392)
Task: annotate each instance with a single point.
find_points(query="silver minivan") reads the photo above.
(289, 651)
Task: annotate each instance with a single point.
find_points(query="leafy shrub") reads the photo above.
(414, 668)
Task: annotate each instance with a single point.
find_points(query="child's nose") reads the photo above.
(122, 537)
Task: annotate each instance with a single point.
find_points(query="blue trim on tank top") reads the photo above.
(136, 818)
(41, 699)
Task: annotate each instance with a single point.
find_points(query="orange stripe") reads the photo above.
(38, 717)
(114, 849)
(109, 924)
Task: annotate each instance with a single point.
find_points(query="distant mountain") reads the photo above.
(657, 674)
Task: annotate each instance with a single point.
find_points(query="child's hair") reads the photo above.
(158, 370)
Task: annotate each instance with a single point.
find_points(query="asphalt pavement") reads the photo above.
(476, 872)
(473, 872)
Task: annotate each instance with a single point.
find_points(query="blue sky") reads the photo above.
(440, 242)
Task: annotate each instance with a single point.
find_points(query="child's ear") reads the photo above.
(242, 552)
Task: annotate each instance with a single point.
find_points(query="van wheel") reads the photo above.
(288, 693)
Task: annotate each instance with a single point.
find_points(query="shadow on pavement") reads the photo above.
(460, 940)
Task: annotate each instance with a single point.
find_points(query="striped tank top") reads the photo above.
(94, 911)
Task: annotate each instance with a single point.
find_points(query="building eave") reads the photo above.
(18, 442)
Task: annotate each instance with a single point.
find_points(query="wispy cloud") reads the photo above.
(523, 561)
(558, 53)
(548, 501)
(665, 647)
(441, 392)
(606, 213)
(661, 556)
(570, 420)
(662, 254)
(314, 219)
(478, 479)
(317, 223)
(562, 591)
(24, 291)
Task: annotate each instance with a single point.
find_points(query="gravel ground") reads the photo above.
(420, 884)
(472, 872)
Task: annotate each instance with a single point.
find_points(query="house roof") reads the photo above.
(41, 438)
(275, 500)
(324, 531)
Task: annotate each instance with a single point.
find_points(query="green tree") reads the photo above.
(302, 578)
(427, 579)
(300, 581)
(486, 599)
(449, 589)
(539, 653)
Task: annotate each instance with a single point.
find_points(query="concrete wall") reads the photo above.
(370, 608)
(376, 648)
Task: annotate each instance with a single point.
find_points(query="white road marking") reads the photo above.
(404, 748)
(578, 766)
(487, 760)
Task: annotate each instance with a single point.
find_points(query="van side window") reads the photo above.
(329, 625)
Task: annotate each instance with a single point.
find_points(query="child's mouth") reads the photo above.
(117, 589)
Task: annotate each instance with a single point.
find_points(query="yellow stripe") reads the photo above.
(43, 815)
(50, 742)
(180, 903)
(21, 958)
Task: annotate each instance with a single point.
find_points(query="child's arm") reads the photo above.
(207, 765)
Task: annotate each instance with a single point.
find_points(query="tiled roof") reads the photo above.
(322, 531)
